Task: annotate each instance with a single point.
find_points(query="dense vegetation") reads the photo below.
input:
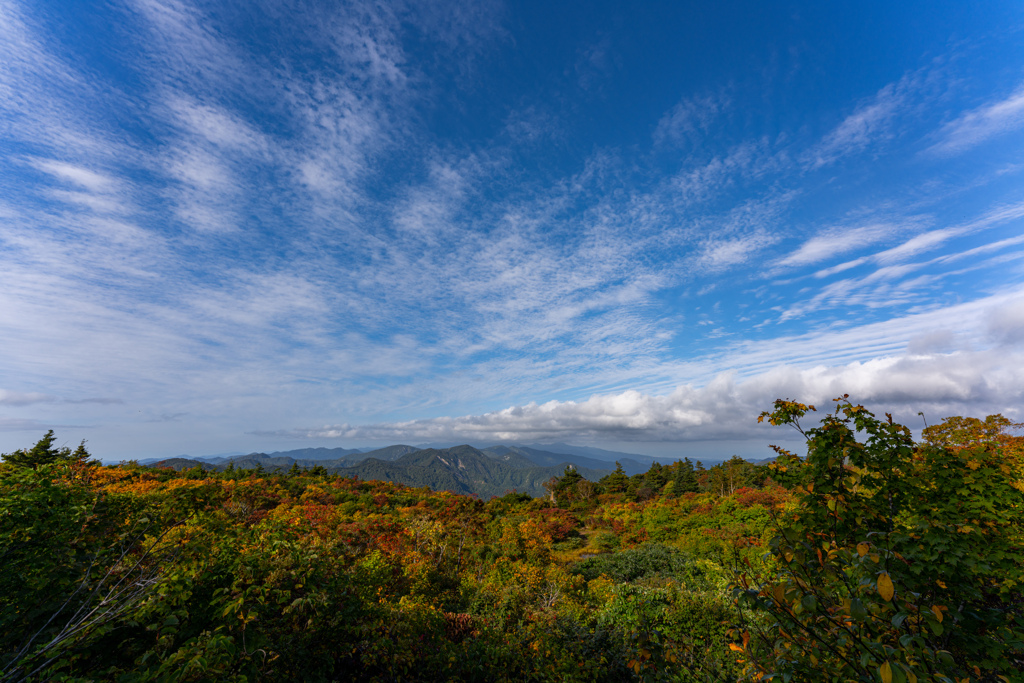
(872, 557)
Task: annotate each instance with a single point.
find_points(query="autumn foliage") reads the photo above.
(872, 558)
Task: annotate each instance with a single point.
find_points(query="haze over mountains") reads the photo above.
(494, 470)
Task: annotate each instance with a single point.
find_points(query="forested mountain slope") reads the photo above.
(464, 469)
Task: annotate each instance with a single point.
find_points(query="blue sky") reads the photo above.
(261, 226)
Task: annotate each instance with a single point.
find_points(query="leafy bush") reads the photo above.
(899, 561)
(650, 559)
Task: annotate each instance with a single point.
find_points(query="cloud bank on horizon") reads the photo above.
(230, 227)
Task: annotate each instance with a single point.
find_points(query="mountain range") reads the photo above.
(461, 469)
(494, 470)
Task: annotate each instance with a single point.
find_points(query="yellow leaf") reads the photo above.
(735, 648)
(941, 584)
(862, 549)
(938, 613)
(885, 587)
(973, 464)
(886, 672)
(911, 677)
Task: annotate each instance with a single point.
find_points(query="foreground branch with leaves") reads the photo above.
(897, 561)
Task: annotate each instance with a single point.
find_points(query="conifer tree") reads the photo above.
(617, 481)
(43, 453)
(81, 455)
(655, 477)
(686, 478)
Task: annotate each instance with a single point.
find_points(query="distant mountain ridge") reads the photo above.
(492, 470)
(462, 469)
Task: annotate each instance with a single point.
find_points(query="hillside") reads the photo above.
(179, 464)
(467, 470)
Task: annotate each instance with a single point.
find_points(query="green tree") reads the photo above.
(45, 453)
(617, 481)
(563, 488)
(898, 561)
(685, 479)
(655, 477)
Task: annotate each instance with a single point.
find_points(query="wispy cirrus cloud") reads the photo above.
(837, 241)
(932, 239)
(332, 232)
(690, 120)
(979, 125)
(867, 125)
(881, 117)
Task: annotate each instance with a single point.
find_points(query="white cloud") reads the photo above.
(903, 365)
(978, 125)
(721, 254)
(289, 241)
(869, 123)
(15, 398)
(838, 241)
(89, 179)
(690, 119)
(726, 408)
(217, 126)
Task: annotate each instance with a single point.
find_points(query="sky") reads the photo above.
(257, 226)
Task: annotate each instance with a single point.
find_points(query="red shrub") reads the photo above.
(768, 498)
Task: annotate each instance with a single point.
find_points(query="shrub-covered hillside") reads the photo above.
(871, 558)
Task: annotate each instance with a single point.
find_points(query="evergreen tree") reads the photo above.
(635, 483)
(43, 453)
(686, 478)
(294, 471)
(655, 478)
(563, 489)
(617, 481)
(81, 455)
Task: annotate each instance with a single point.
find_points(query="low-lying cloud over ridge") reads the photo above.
(926, 375)
(937, 384)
